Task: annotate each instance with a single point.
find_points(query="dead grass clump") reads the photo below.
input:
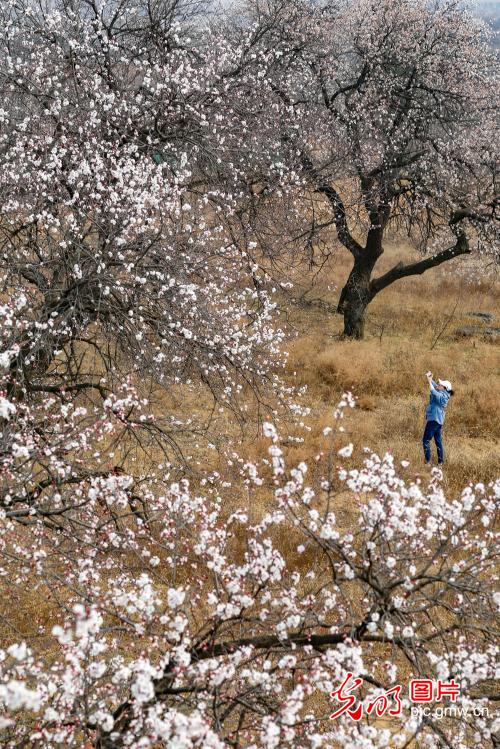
(347, 366)
(367, 402)
(476, 411)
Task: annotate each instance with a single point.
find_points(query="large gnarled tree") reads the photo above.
(391, 115)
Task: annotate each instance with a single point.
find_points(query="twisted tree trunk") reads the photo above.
(354, 300)
(358, 291)
(360, 288)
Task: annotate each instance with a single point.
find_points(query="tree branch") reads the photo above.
(340, 219)
(415, 269)
(265, 642)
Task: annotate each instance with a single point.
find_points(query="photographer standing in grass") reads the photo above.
(439, 396)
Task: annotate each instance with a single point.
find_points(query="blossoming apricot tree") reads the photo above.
(164, 612)
(391, 117)
(115, 262)
(112, 127)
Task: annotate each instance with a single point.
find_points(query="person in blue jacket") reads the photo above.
(439, 396)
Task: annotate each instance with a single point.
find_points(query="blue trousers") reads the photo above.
(433, 431)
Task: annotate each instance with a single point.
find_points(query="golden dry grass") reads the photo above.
(410, 329)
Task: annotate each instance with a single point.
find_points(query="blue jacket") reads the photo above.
(437, 404)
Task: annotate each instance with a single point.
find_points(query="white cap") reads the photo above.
(446, 384)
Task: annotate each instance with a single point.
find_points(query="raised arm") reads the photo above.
(436, 394)
(432, 384)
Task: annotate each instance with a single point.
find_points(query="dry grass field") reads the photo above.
(411, 328)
